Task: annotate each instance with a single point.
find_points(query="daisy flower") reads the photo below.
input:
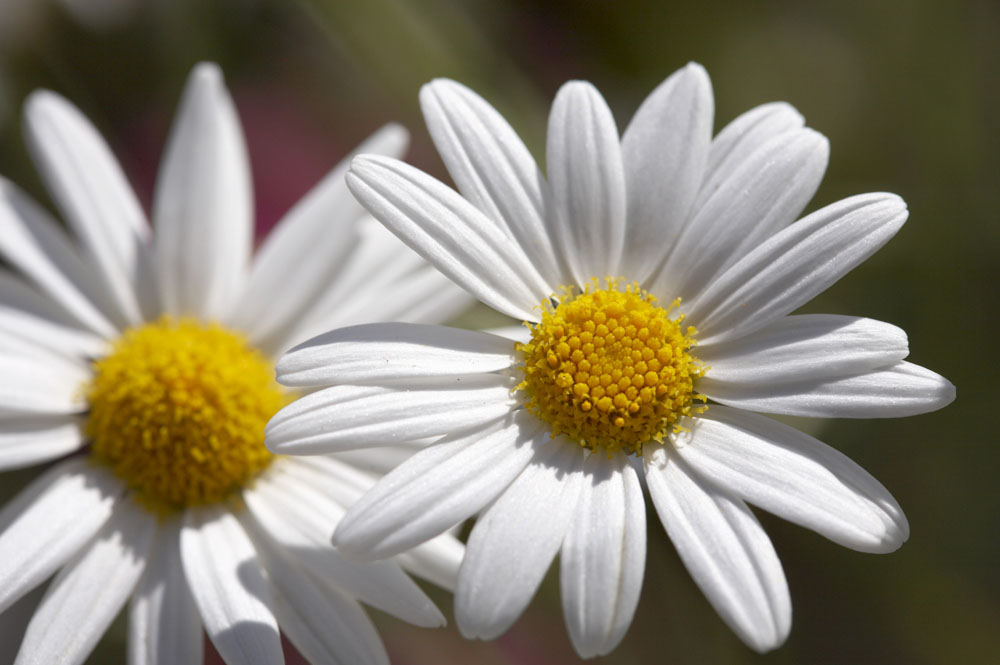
(146, 359)
(655, 275)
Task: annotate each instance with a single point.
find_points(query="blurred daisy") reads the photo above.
(150, 355)
(619, 261)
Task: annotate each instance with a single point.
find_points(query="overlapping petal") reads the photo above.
(163, 623)
(31, 241)
(368, 276)
(437, 560)
(300, 519)
(804, 347)
(327, 421)
(740, 139)
(795, 265)
(87, 594)
(229, 587)
(95, 199)
(300, 257)
(374, 353)
(449, 232)
(30, 440)
(439, 487)
(765, 193)
(34, 386)
(48, 522)
(791, 474)
(324, 624)
(28, 316)
(724, 548)
(901, 389)
(515, 540)
(75, 292)
(493, 169)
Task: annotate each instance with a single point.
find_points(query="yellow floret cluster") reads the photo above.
(178, 409)
(610, 369)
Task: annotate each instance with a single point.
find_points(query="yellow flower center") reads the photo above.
(610, 369)
(178, 409)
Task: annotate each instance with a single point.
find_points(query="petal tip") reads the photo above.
(818, 138)
(948, 391)
(398, 136)
(206, 73)
(695, 75)
(41, 100)
(364, 163)
(436, 87)
(693, 68)
(576, 90)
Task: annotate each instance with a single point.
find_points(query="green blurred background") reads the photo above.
(909, 95)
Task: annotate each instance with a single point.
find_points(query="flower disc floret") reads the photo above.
(178, 409)
(609, 368)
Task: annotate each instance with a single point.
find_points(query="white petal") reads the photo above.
(325, 625)
(339, 481)
(796, 477)
(348, 417)
(28, 315)
(382, 351)
(664, 150)
(32, 242)
(229, 587)
(300, 257)
(724, 548)
(805, 347)
(95, 198)
(439, 487)
(519, 333)
(380, 460)
(26, 441)
(492, 168)
(49, 521)
(603, 555)
(740, 139)
(584, 162)
(794, 265)
(300, 520)
(203, 204)
(31, 386)
(368, 275)
(436, 560)
(87, 594)
(449, 232)
(514, 541)
(163, 623)
(765, 194)
(426, 296)
(381, 280)
(17, 346)
(902, 389)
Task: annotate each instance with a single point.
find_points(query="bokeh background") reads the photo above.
(907, 92)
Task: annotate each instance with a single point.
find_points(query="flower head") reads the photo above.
(656, 274)
(147, 358)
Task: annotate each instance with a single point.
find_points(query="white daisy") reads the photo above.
(149, 355)
(618, 261)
